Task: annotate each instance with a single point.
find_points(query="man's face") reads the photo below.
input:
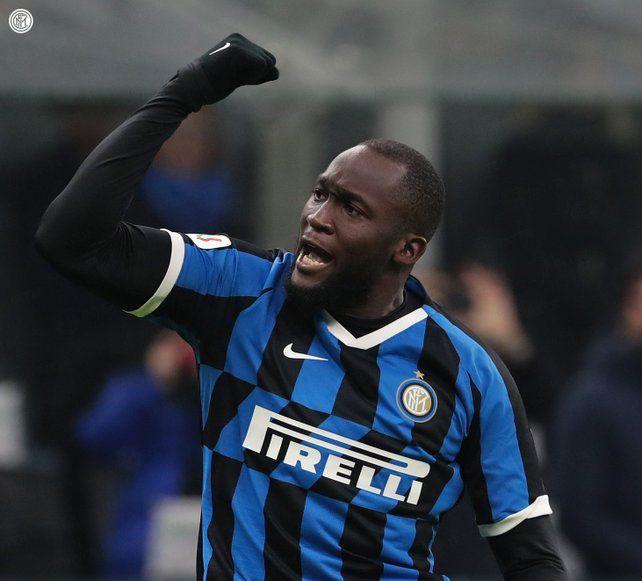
(348, 230)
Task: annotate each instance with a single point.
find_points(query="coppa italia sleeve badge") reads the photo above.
(209, 241)
(416, 399)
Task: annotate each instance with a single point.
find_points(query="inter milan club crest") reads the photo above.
(416, 399)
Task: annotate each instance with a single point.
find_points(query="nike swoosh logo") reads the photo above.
(222, 48)
(291, 354)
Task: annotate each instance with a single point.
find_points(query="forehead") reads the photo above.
(365, 173)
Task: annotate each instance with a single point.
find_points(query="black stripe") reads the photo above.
(439, 362)
(225, 476)
(283, 510)
(211, 318)
(524, 436)
(358, 393)
(304, 414)
(361, 544)
(218, 317)
(278, 373)
(420, 548)
(200, 567)
(469, 458)
(243, 246)
(227, 395)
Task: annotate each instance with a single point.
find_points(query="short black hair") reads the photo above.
(421, 188)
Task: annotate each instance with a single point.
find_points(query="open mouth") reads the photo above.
(311, 258)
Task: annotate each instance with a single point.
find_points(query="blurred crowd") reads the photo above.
(551, 278)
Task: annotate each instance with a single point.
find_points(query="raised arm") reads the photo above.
(82, 233)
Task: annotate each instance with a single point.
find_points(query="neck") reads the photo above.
(379, 303)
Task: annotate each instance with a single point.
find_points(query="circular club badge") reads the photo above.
(20, 21)
(416, 400)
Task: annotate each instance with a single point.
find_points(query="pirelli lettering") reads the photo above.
(334, 456)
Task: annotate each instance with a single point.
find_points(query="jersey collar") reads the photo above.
(375, 337)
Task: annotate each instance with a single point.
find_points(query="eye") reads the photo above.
(318, 195)
(351, 210)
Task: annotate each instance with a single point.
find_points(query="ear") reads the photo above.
(410, 249)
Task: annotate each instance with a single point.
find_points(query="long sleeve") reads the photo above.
(83, 234)
(529, 552)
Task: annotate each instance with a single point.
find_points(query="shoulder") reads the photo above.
(482, 364)
(223, 241)
(222, 265)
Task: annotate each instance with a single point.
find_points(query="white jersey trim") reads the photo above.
(169, 280)
(540, 507)
(375, 337)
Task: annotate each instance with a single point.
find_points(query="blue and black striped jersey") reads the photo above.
(329, 455)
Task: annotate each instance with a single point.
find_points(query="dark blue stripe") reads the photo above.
(223, 272)
(321, 528)
(397, 541)
(449, 496)
(206, 507)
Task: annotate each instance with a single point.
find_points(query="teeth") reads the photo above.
(308, 259)
(314, 256)
(308, 256)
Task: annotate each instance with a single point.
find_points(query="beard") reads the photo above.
(344, 289)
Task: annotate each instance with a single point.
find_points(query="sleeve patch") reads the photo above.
(210, 241)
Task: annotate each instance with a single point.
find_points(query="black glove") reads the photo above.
(232, 63)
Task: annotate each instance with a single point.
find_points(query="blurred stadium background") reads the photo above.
(531, 110)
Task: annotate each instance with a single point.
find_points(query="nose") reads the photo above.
(321, 219)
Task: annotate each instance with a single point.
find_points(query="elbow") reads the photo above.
(41, 240)
(50, 243)
(45, 243)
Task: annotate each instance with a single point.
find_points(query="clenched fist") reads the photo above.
(232, 63)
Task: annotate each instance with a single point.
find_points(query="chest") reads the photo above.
(399, 381)
(374, 419)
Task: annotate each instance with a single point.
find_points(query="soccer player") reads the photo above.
(342, 410)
